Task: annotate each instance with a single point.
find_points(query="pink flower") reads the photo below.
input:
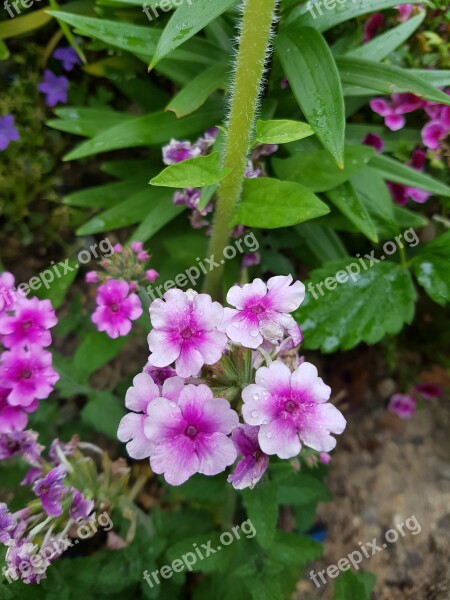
(91, 277)
(437, 129)
(116, 308)
(151, 275)
(6, 285)
(137, 247)
(402, 193)
(262, 311)
(250, 260)
(373, 26)
(254, 463)
(12, 418)
(429, 391)
(393, 111)
(291, 407)
(138, 399)
(176, 152)
(143, 256)
(28, 323)
(185, 332)
(405, 11)
(117, 248)
(325, 458)
(403, 405)
(28, 374)
(190, 436)
(377, 142)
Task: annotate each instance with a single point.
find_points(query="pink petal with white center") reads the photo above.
(139, 396)
(280, 437)
(306, 383)
(283, 296)
(165, 420)
(276, 378)
(259, 407)
(432, 134)
(323, 420)
(190, 361)
(395, 122)
(164, 350)
(176, 459)
(215, 451)
(131, 430)
(250, 293)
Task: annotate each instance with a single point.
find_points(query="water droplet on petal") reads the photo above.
(254, 333)
(255, 396)
(255, 413)
(269, 435)
(172, 404)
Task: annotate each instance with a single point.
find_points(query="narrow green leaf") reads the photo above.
(188, 19)
(158, 215)
(346, 199)
(86, 121)
(196, 92)
(431, 267)
(197, 172)
(24, 24)
(269, 203)
(104, 196)
(392, 170)
(376, 197)
(309, 65)
(4, 52)
(318, 171)
(281, 131)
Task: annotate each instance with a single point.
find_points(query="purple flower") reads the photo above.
(28, 373)
(208, 140)
(254, 463)
(91, 277)
(68, 57)
(373, 26)
(116, 308)
(57, 448)
(189, 196)
(403, 405)
(51, 491)
(28, 323)
(54, 87)
(8, 131)
(20, 443)
(138, 399)
(81, 507)
(377, 142)
(263, 150)
(437, 129)
(251, 172)
(7, 524)
(151, 275)
(185, 332)
(405, 11)
(251, 259)
(393, 111)
(291, 407)
(402, 193)
(262, 311)
(429, 391)
(324, 458)
(19, 559)
(12, 418)
(159, 375)
(176, 152)
(6, 285)
(190, 436)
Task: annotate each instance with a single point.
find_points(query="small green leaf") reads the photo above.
(262, 510)
(4, 52)
(346, 199)
(353, 586)
(431, 267)
(281, 131)
(317, 170)
(313, 76)
(269, 203)
(303, 489)
(197, 172)
(103, 412)
(289, 548)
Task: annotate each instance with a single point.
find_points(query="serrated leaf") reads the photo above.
(431, 267)
(268, 203)
(314, 79)
(317, 170)
(197, 172)
(346, 199)
(281, 131)
(261, 505)
(377, 301)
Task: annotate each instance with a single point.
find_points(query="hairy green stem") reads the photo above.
(254, 44)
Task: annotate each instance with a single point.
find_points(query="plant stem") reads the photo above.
(254, 44)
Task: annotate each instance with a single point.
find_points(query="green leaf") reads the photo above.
(342, 315)
(290, 548)
(262, 510)
(317, 171)
(154, 129)
(269, 203)
(158, 215)
(24, 24)
(303, 489)
(281, 131)
(195, 93)
(392, 170)
(188, 19)
(104, 196)
(4, 52)
(352, 586)
(103, 412)
(382, 45)
(313, 76)
(197, 172)
(386, 79)
(431, 267)
(86, 121)
(341, 12)
(375, 195)
(347, 200)
(58, 288)
(216, 561)
(96, 349)
(323, 242)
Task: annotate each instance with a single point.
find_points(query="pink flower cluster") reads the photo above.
(26, 372)
(117, 301)
(185, 426)
(405, 405)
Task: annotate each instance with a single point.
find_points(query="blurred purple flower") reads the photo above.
(7, 524)
(20, 443)
(81, 507)
(429, 391)
(251, 259)
(377, 142)
(403, 405)
(437, 129)
(402, 193)
(8, 131)
(254, 463)
(54, 87)
(405, 11)
(372, 26)
(68, 57)
(51, 491)
(393, 110)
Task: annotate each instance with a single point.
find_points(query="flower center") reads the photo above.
(257, 310)
(191, 431)
(114, 307)
(257, 454)
(25, 374)
(289, 406)
(27, 325)
(186, 333)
